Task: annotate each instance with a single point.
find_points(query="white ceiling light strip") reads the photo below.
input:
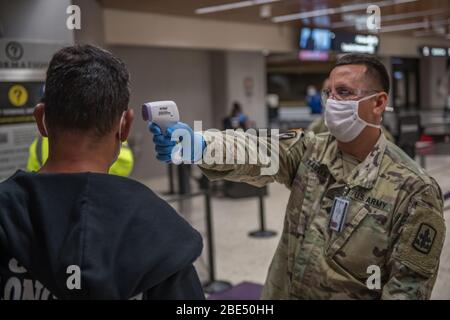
(424, 33)
(393, 17)
(330, 11)
(412, 26)
(232, 6)
(403, 27)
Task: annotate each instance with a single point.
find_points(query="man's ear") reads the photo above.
(380, 104)
(38, 114)
(128, 117)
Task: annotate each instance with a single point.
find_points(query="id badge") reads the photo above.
(338, 213)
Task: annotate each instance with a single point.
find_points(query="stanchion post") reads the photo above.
(262, 232)
(213, 285)
(184, 187)
(170, 174)
(171, 182)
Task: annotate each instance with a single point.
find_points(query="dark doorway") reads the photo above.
(405, 84)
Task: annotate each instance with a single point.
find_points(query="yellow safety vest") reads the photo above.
(38, 154)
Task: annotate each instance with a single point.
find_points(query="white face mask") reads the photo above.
(122, 119)
(44, 125)
(343, 121)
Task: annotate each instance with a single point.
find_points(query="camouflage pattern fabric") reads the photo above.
(318, 125)
(394, 221)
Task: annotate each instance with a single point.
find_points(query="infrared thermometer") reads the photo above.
(165, 114)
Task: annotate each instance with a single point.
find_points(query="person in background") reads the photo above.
(318, 125)
(38, 154)
(313, 100)
(237, 118)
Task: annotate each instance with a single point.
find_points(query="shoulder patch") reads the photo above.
(291, 134)
(287, 135)
(421, 241)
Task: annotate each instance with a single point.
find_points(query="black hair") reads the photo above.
(86, 89)
(236, 108)
(375, 68)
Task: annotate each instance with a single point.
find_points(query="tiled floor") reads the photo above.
(241, 258)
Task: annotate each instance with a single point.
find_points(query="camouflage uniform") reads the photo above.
(395, 221)
(318, 126)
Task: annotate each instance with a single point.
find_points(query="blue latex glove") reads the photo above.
(191, 144)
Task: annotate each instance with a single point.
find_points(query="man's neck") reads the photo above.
(76, 153)
(362, 145)
(72, 166)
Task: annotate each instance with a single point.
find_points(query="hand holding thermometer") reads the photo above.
(166, 128)
(165, 114)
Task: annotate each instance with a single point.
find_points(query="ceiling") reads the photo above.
(420, 18)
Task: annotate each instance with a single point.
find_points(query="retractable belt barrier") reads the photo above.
(212, 285)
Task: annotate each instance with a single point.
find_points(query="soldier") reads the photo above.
(363, 221)
(318, 125)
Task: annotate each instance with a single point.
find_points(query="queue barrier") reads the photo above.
(212, 285)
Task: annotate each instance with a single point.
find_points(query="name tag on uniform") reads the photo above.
(338, 213)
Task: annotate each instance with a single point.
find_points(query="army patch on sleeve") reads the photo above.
(287, 135)
(424, 239)
(420, 244)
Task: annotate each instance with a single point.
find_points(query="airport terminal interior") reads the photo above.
(231, 64)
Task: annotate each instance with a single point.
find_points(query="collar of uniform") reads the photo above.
(364, 174)
(333, 160)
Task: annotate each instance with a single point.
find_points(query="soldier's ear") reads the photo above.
(380, 103)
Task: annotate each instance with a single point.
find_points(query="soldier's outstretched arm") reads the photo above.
(232, 156)
(419, 236)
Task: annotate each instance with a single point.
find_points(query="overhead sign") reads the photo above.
(20, 91)
(325, 40)
(17, 101)
(15, 140)
(428, 51)
(311, 55)
(18, 95)
(22, 75)
(315, 39)
(16, 54)
(361, 43)
(14, 50)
